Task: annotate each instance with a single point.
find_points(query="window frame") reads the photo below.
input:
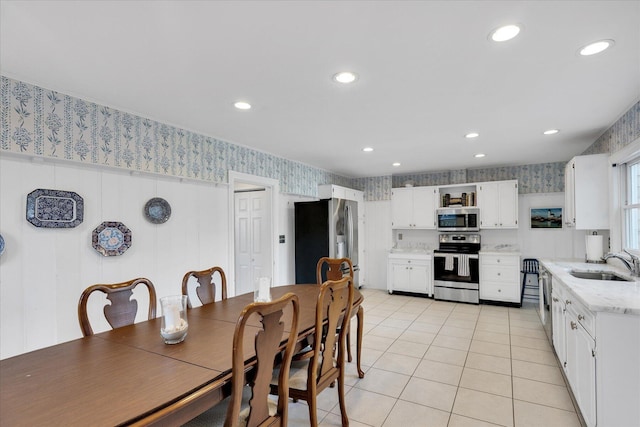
(631, 182)
(619, 194)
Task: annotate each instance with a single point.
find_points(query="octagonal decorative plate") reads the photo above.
(111, 238)
(54, 208)
(157, 210)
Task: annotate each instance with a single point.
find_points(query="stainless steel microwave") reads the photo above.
(458, 219)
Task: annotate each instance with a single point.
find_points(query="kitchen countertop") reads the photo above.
(500, 249)
(499, 252)
(598, 295)
(410, 253)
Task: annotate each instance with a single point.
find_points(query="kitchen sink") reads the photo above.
(599, 275)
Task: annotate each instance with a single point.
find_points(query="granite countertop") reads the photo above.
(598, 295)
(499, 252)
(500, 249)
(410, 253)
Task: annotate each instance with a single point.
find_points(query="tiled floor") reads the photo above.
(437, 364)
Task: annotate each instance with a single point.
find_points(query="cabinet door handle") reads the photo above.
(574, 325)
(555, 299)
(498, 260)
(580, 317)
(499, 290)
(498, 274)
(568, 302)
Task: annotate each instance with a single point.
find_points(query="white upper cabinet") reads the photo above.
(498, 203)
(586, 192)
(414, 207)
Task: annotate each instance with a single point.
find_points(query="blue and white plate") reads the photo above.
(54, 208)
(1, 244)
(157, 210)
(111, 238)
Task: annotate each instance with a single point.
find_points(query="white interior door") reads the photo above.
(252, 213)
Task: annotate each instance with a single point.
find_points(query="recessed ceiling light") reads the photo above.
(479, 155)
(551, 132)
(242, 105)
(505, 33)
(596, 47)
(367, 149)
(396, 164)
(472, 135)
(345, 77)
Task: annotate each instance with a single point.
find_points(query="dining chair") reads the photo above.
(206, 287)
(249, 404)
(123, 310)
(334, 269)
(323, 363)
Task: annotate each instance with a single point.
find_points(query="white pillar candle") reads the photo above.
(172, 318)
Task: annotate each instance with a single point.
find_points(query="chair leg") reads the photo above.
(341, 398)
(349, 358)
(359, 343)
(313, 410)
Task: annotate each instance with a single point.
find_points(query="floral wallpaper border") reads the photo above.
(39, 122)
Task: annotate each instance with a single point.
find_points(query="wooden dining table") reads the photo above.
(129, 376)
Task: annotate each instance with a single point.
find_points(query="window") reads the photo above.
(631, 206)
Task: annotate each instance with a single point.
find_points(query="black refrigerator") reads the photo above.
(326, 227)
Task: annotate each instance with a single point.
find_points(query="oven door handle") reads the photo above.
(441, 255)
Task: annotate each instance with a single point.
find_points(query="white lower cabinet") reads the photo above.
(500, 277)
(410, 273)
(580, 365)
(599, 354)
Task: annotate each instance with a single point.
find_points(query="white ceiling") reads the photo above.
(427, 74)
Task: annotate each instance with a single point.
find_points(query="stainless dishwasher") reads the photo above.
(546, 313)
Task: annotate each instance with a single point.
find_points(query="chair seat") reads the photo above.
(298, 374)
(217, 415)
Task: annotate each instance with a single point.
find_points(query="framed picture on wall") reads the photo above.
(546, 217)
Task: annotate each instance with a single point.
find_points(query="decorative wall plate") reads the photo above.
(54, 208)
(111, 238)
(1, 244)
(157, 210)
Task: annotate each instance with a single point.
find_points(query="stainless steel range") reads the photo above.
(456, 268)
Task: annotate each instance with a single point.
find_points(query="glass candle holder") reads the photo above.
(262, 289)
(174, 318)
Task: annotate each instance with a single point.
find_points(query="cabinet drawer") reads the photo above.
(500, 260)
(586, 318)
(497, 291)
(491, 273)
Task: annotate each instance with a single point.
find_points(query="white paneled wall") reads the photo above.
(44, 270)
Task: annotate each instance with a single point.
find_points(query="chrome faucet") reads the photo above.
(632, 264)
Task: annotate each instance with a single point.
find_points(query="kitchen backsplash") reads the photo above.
(40, 122)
